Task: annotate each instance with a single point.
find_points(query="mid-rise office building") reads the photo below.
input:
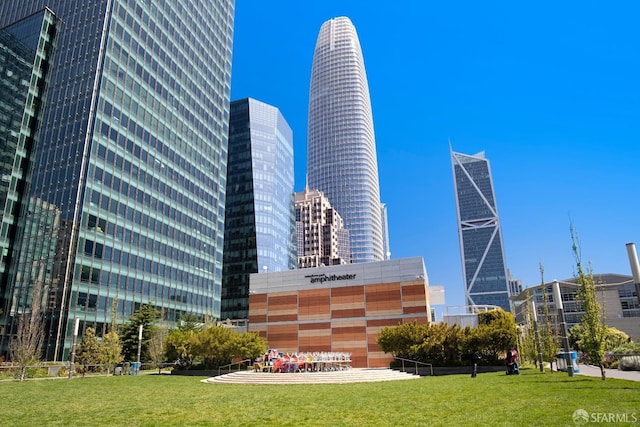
(322, 238)
(515, 285)
(130, 175)
(483, 262)
(341, 154)
(616, 294)
(260, 220)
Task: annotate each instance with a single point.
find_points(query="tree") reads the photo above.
(436, 343)
(249, 345)
(190, 322)
(593, 338)
(627, 348)
(110, 350)
(448, 345)
(613, 337)
(442, 345)
(549, 337)
(180, 346)
(157, 346)
(25, 349)
(496, 333)
(402, 340)
(146, 316)
(88, 352)
(214, 346)
(528, 346)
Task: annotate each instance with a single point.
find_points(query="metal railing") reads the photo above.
(415, 363)
(230, 365)
(62, 369)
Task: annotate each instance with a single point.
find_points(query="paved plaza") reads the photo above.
(594, 371)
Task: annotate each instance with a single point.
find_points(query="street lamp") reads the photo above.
(563, 325)
(536, 333)
(73, 346)
(139, 348)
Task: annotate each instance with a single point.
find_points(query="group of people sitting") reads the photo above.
(274, 361)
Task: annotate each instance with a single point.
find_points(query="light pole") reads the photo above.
(537, 334)
(635, 266)
(139, 349)
(563, 325)
(73, 346)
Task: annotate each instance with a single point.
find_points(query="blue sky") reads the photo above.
(549, 90)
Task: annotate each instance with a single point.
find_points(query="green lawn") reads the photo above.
(547, 399)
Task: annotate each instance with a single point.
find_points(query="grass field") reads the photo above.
(491, 399)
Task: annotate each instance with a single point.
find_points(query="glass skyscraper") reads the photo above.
(26, 52)
(260, 218)
(483, 262)
(341, 154)
(130, 175)
(27, 49)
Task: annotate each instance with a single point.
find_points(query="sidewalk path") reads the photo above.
(594, 371)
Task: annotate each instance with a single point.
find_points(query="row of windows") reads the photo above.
(180, 197)
(89, 303)
(126, 235)
(152, 205)
(126, 258)
(198, 293)
(182, 60)
(156, 145)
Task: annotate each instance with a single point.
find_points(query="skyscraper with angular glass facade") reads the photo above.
(26, 56)
(260, 219)
(130, 175)
(341, 154)
(483, 262)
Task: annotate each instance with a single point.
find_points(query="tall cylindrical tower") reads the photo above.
(341, 155)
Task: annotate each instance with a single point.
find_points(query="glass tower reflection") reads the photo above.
(260, 217)
(133, 158)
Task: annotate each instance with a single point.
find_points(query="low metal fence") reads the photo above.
(232, 367)
(406, 363)
(10, 370)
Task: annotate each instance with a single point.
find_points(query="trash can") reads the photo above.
(561, 361)
(135, 368)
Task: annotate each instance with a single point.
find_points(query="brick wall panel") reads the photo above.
(259, 318)
(345, 314)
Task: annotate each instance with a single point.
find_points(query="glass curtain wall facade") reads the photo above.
(260, 233)
(341, 154)
(26, 53)
(483, 262)
(133, 160)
